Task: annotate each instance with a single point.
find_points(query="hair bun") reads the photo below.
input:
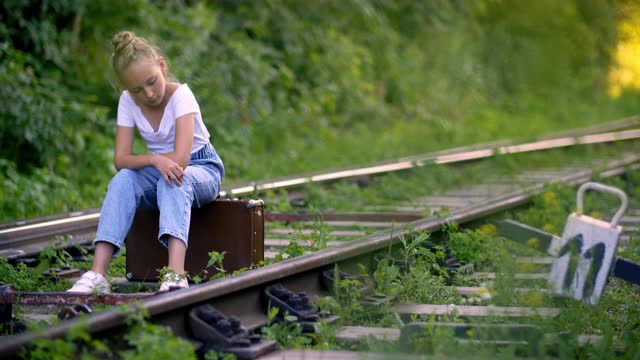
(122, 40)
(129, 48)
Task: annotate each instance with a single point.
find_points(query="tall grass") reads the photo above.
(288, 87)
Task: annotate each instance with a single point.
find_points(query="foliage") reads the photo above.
(286, 86)
(23, 278)
(410, 275)
(213, 355)
(474, 246)
(118, 265)
(52, 257)
(24, 195)
(78, 344)
(153, 341)
(614, 318)
(41, 120)
(550, 210)
(215, 261)
(347, 303)
(293, 249)
(414, 275)
(142, 340)
(284, 329)
(301, 243)
(320, 234)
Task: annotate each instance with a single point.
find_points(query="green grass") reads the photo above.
(141, 340)
(409, 185)
(286, 88)
(24, 278)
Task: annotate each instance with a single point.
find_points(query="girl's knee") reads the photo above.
(124, 177)
(199, 175)
(163, 188)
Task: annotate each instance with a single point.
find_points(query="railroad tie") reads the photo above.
(474, 311)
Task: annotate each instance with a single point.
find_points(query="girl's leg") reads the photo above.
(201, 185)
(128, 190)
(177, 251)
(102, 257)
(176, 278)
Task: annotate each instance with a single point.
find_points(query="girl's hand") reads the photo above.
(169, 169)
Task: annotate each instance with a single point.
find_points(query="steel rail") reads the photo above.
(618, 124)
(242, 291)
(446, 157)
(38, 234)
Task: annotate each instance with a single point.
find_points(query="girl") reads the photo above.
(182, 170)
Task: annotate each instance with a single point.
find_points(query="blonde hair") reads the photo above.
(128, 48)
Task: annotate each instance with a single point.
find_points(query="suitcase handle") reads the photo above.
(255, 203)
(604, 188)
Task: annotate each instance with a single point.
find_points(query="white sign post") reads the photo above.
(585, 253)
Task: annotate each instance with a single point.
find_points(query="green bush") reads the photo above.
(286, 86)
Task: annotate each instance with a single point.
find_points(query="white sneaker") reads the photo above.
(91, 282)
(173, 281)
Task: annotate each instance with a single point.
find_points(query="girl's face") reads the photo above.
(145, 82)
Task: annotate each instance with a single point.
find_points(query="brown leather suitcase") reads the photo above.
(235, 227)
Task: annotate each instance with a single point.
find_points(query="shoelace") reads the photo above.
(87, 280)
(172, 277)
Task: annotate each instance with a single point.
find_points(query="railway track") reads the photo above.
(353, 237)
(26, 238)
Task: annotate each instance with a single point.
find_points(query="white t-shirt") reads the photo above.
(182, 102)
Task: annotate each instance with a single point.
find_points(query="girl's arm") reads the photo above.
(170, 165)
(123, 156)
(184, 140)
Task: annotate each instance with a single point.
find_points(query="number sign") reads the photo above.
(584, 257)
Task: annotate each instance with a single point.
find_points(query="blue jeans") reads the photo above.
(146, 188)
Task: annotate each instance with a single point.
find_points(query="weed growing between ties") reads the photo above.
(302, 243)
(214, 355)
(52, 257)
(150, 341)
(78, 344)
(215, 262)
(142, 340)
(416, 274)
(410, 275)
(284, 329)
(24, 278)
(347, 304)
